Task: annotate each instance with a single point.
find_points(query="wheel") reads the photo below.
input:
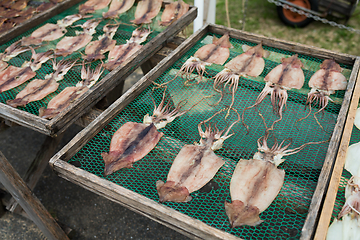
(294, 19)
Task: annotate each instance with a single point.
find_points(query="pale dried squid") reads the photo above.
(256, 182)
(249, 63)
(146, 10)
(91, 6)
(50, 31)
(348, 228)
(173, 11)
(117, 7)
(195, 165)
(37, 89)
(323, 83)
(216, 52)
(286, 76)
(12, 51)
(68, 45)
(70, 94)
(95, 50)
(15, 76)
(120, 53)
(133, 141)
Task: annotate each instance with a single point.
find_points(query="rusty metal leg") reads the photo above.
(36, 168)
(28, 201)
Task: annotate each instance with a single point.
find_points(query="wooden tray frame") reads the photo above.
(165, 215)
(330, 197)
(82, 105)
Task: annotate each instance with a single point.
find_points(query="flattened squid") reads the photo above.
(348, 228)
(323, 83)
(15, 76)
(249, 63)
(195, 165)
(173, 11)
(95, 50)
(146, 10)
(120, 53)
(256, 182)
(117, 7)
(283, 77)
(68, 45)
(91, 6)
(70, 94)
(12, 51)
(216, 52)
(37, 89)
(50, 31)
(133, 141)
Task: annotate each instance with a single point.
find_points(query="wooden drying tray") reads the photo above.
(82, 105)
(178, 221)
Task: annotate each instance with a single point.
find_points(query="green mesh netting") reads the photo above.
(286, 215)
(74, 75)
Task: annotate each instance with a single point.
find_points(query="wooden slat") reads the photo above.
(36, 20)
(143, 205)
(32, 206)
(311, 220)
(36, 168)
(328, 206)
(285, 45)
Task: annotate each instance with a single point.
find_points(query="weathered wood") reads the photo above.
(285, 45)
(312, 217)
(28, 201)
(142, 205)
(36, 20)
(36, 168)
(82, 105)
(330, 198)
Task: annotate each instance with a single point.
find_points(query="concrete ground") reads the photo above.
(89, 215)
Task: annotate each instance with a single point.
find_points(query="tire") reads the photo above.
(293, 19)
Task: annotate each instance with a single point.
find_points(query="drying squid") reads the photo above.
(120, 53)
(68, 45)
(37, 89)
(249, 63)
(348, 228)
(323, 83)
(91, 6)
(133, 141)
(173, 11)
(286, 76)
(12, 51)
(195, 165)
(216, 52)
(15, 76)
(50, 31)
(117, 7)
(95, 50)
(256, 182)
(70, 94)
(146, 10)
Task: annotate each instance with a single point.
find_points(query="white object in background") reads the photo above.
(357, 118)
(199, 20)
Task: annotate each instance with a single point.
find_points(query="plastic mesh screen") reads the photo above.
(286, 215)
(74, 75)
